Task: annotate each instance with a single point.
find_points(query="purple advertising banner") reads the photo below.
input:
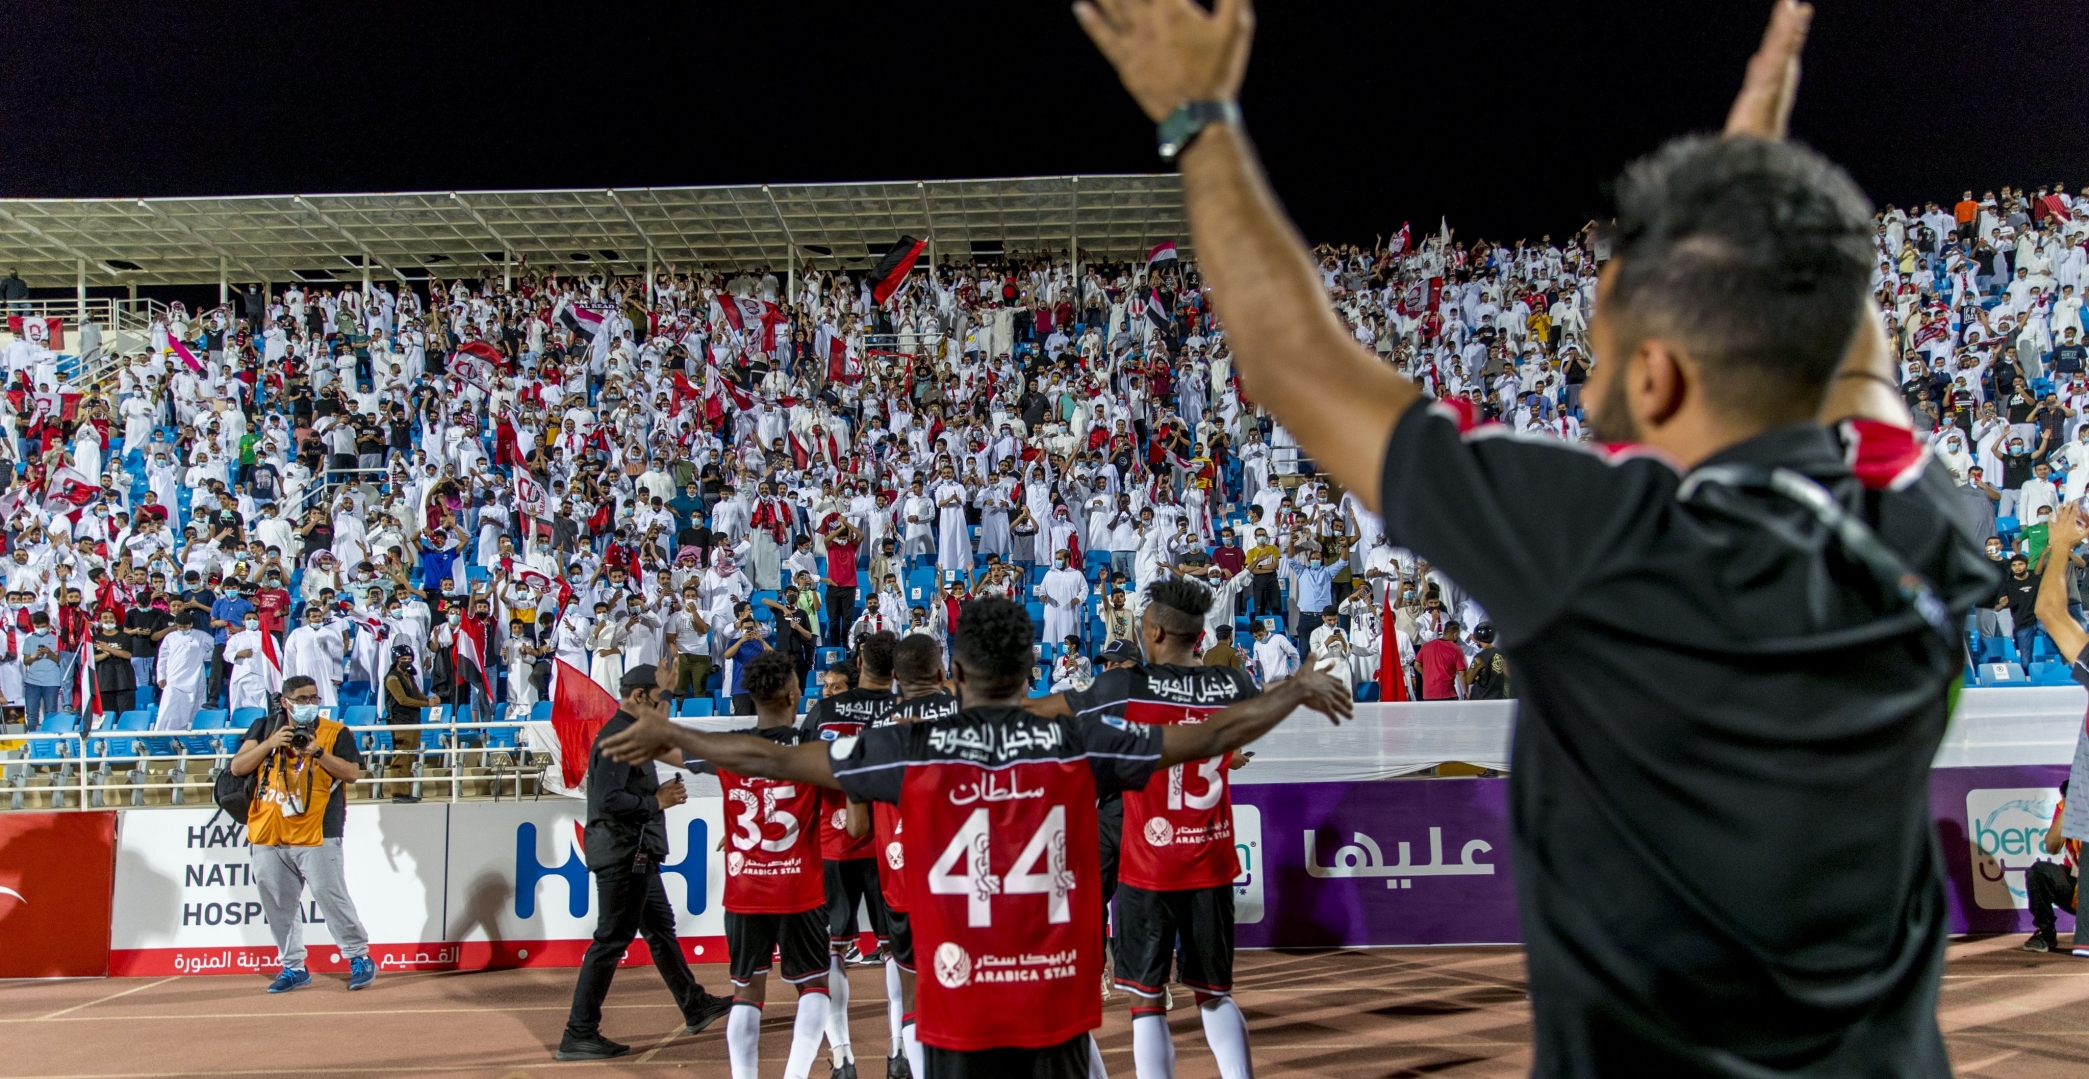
(1991, 823)
(1414, 861)
(1426, 861)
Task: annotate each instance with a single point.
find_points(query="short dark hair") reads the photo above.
(993, 643)
(770, 675)
(846, 670)
(1179, 605)
(1755, 256)
(876, 654)
(297, 681)
(917, 658)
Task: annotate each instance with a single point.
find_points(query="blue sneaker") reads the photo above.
(290, 979)
(361, 972)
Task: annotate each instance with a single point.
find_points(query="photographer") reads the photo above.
(294, 825)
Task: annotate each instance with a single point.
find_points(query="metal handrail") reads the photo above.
(18, 766)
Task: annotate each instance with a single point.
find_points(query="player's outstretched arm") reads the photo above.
(744, 754)
(2062, 535)
(1244, 722)
(1290, 347)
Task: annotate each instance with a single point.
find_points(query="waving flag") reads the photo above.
(1392, 674)
(48, 332)
(579, 709)
(1162, 257)
(271, 661)
(89, 701)
(468, 644)
(581, 321)
(73, 486)
(181, 352)
(892, 270)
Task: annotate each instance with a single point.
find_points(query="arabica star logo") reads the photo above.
(895, 855)
(953, 966)
(1159, 832)
(733, 861)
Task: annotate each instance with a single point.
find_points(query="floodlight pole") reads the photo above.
(80, 294)
(1073, 242)
(224, 286)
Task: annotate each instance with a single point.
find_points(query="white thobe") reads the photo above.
(184, 660)
(953, 542)
(315, 654)
(1064, 592)
(248, 684)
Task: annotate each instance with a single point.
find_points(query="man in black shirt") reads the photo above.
(626, 839)
(1742, 625)
(2069, 356)
(1490, 671)
(2020, 594)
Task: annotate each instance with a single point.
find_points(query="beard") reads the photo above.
(1613, 422)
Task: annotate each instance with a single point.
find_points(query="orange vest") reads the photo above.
(287, 785)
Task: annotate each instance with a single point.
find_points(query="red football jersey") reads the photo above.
(888, 829)
(1003, 876)
(1178, 829)
(772, 850)
(835, 717)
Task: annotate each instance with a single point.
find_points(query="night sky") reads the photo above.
(1508, 117)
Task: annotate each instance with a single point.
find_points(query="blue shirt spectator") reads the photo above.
(39, 668)
(230, 610)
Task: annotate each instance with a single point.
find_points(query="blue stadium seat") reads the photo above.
(2051, 674)
(540, 710)
(828, 657)
(697, 706)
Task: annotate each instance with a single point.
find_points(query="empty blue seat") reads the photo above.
(697, 706)
(60, 723)
(243, 718)
(540, 710)
(502, 738)
(828, 657)
(2051, 674)
(360, 715)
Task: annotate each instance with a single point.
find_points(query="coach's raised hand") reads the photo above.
(1172, 52)
(1763, 108)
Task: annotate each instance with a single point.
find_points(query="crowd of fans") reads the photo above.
(459, 487)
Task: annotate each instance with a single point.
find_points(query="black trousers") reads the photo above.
(2050, 885)
(1262, 589)
(841, 614)
(630, 903)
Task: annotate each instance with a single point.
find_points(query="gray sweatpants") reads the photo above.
(282, 873)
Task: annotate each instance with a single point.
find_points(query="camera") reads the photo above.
(302, 735)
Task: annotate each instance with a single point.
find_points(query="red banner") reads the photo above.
(57, 881)
(48, 331)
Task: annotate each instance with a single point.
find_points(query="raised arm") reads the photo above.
(2062, 535)
(1290, 347)
(1244, 722)
(744, 754)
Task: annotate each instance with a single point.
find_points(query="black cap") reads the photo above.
(1120, 652)
(643, 676)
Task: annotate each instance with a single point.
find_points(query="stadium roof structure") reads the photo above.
(451, 234)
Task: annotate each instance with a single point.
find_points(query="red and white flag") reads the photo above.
(182, 353)
(1392, 673)
(48, 332)
(579, 709)
(271, 663)
(468, 644)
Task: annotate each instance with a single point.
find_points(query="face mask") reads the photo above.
(304, 714)
(456, 619)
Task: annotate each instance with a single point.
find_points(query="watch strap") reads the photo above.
(1181, 127)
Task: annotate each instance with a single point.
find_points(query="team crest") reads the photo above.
(895, 856)
(1159, 832)
(733, 861)
(953, 966)
(841, 820)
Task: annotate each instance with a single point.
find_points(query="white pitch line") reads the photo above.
(106, 999)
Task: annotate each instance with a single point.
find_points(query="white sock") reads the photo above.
(838, 1012)
(1226, 1031)
(806, 1032)
(908, 1038)
(743, 1039)
(1095, 1060)
(895, 1003)
(1153, 1049)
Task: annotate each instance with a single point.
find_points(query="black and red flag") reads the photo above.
(892, 270)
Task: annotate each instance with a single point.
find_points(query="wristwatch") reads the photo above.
(1189, 120)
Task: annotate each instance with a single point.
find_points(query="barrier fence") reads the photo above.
(1332, 853)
